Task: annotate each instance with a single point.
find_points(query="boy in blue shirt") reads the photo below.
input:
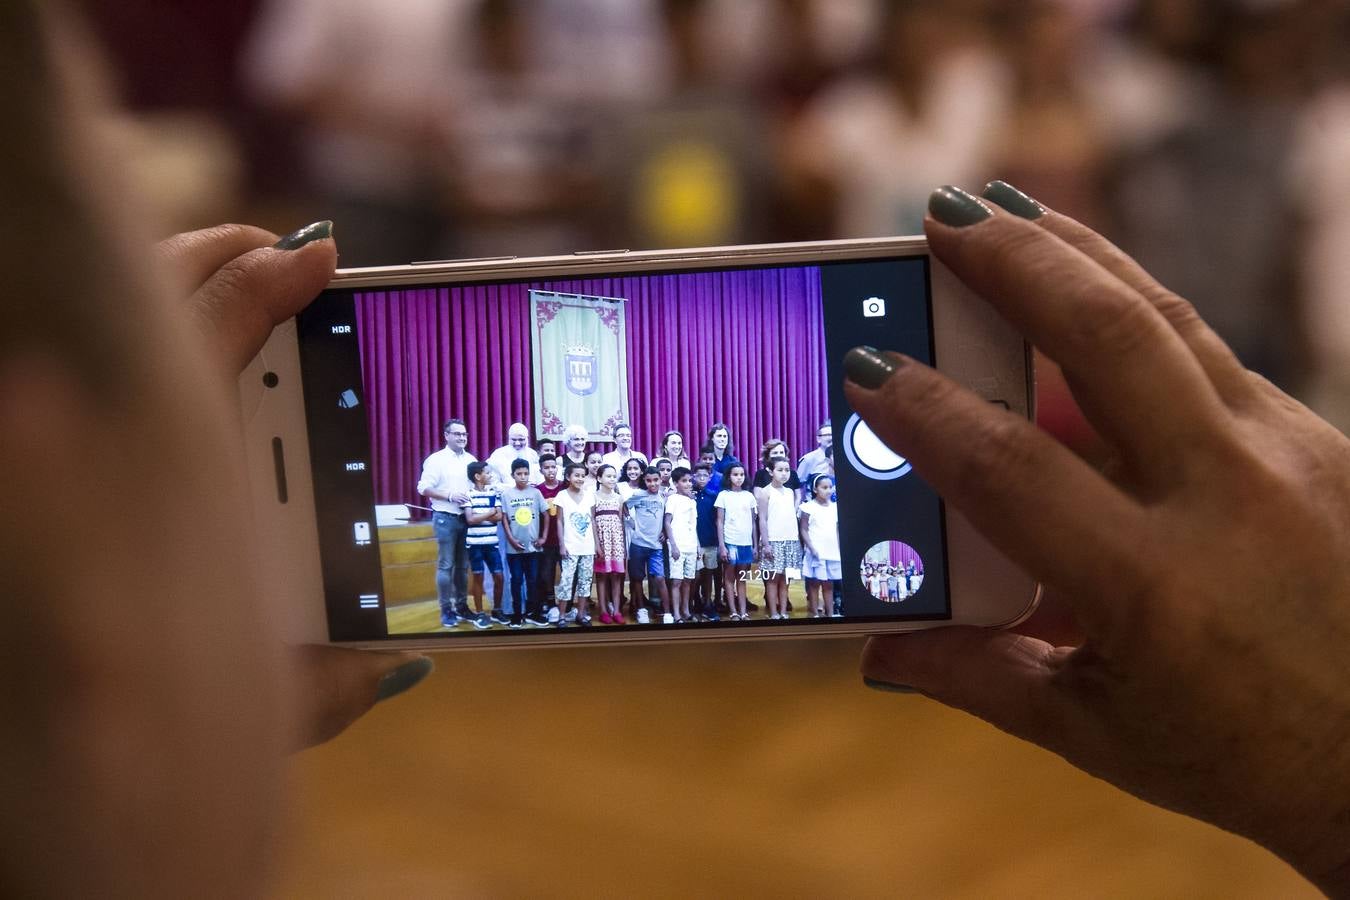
(709, 556)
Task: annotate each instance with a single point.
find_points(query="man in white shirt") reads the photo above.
(517, 447)
(623, 452)
(816, 462)
(445, 482)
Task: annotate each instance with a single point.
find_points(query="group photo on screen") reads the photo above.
(625, 451)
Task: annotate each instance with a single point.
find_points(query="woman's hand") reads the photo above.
(1208, 569)
(240, 283)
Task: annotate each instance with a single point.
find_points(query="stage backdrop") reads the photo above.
(580, 364)
(746, 348)
(895, 553)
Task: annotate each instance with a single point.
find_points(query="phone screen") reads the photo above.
(659, 450)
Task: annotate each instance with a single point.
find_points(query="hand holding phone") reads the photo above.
(1208, 578)
(240, 286)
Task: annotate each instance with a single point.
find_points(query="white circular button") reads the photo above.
(869, 455)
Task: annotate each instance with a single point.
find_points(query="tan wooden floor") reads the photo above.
(423, 616)
(740, 769)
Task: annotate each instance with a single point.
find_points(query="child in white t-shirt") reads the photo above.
(820, 536)
(682, 541)
(780, 551)
(737, 511)
(576, 546)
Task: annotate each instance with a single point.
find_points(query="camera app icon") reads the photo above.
(874, 307)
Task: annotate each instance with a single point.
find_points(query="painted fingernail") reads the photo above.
(404, 678)
(866, 367)
(307, 235)
(953, 206)
(889, 687)
(1013, 200)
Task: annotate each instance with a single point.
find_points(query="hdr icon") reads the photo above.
(356, 467)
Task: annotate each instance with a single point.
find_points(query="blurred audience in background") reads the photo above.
(1210, 138)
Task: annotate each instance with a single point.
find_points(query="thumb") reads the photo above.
(238, 305)
(1007, 679)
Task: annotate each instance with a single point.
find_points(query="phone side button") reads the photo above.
(599, 252)
(279, 466)
(472, 259)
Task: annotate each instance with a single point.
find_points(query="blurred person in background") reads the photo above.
(1052, 138)
(601, 51)
(1207, 205)
(151, 699)
(1320, 173)
(691, 170)
(519, 159)
(928, 110)
(797, 69)
(181, 126)
(1051, 134)
(1143, 71)
(365, 84)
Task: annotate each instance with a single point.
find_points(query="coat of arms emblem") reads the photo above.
(579, 370)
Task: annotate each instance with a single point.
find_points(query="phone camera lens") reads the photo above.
(270, 379)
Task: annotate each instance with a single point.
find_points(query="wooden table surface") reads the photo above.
(736, 769)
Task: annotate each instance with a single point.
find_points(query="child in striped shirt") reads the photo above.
(482, 515)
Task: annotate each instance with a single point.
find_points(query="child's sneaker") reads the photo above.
(482, 620)
(667, 619)
(572, 614)
(644, 617)
(553, 615)
(604, 618)
(500, 617)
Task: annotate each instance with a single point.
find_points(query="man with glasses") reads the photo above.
(817, 462)
(445, 482)
(623, 450)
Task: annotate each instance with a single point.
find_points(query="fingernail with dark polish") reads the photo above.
(953, 206)
(866, 367)
(1013, 200)
(890, 687)
(404, 678)
(307, 235)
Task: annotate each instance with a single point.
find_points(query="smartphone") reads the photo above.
(364, 415)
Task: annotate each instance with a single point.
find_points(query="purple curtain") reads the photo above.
(746, 348)
(903, 554)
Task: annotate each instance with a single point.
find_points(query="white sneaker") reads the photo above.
(553, 616)
(644, 617)
(667, 619)
(572, 614)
